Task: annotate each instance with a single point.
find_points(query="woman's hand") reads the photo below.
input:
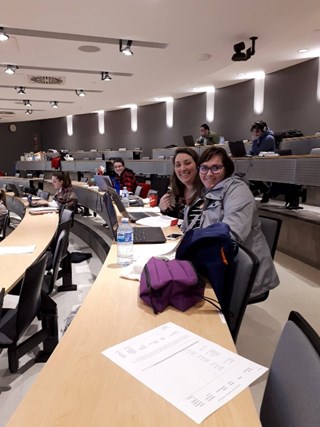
(40, 203)
(164, 203)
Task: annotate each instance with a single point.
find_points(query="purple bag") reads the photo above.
(174, 282)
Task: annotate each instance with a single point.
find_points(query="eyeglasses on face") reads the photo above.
(213, 169)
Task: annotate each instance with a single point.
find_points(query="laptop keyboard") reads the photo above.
(141, 215)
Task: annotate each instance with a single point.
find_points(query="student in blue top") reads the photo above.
(262, 138)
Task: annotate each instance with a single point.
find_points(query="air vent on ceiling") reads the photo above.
(46, 80)
(6, 113)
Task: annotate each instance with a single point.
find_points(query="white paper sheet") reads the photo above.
(11, 250)
(158, 221)
(195, 375)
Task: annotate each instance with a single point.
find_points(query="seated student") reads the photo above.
(3, 207)
(124, 176)
(228, 199)
(64, 196)
(185, 184)
(262, 140)
(207, 137)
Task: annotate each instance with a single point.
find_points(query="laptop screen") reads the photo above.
(188, 140)
(237, 149)
(116, 198)
(103, 182)
(111, 214)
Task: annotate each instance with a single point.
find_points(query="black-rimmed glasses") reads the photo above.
(214, 169)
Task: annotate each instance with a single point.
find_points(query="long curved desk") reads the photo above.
(80, 387)
(33, 229)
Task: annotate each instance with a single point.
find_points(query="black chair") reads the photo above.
(15, 322)
(65, 223)
(1, 300)
(291, 396)
(245, 269)
(6, 224)
(52, 274)
(271, 228)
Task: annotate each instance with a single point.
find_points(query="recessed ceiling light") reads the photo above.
(89, 49)
(303, 50)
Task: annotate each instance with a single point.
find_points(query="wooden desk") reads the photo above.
(80, 387)
(33, 229)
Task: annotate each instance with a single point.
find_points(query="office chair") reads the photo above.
(291, 396)
(15, 322)
(245, 270)
(142, 190)
(52, 274)
(6, 224)
(271, 228)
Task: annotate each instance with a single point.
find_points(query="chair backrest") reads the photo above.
(245, 269)
(144, 189)
(291, 397)
(30, 295)
(315, 151)
(59, 251)
(5, 226)
(1, 300)
(271, 229)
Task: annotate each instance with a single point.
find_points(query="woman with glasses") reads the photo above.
(185, 184)
(228, 199)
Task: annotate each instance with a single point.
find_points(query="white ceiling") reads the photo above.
(199, 35)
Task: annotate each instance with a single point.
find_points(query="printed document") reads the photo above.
(194, 374)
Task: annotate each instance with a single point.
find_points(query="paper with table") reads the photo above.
(12, 250)
(194, 374)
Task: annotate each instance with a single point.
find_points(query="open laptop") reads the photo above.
(188, 140)
(237, 149)
(103, 182)
(140, 234)
(132, 216)
(17, 192)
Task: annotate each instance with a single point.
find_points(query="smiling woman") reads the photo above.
(228, 199)
(185, 183)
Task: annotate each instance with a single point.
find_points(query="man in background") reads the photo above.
(207, 137)
(262, 138)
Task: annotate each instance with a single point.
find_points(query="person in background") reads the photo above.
(207, 137)
(228, 199)
(262, 140)
(124, 176)
(185, 184)
(64, 196)
(3, 207)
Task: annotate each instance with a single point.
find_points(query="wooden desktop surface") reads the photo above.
(78, 386)
(33, 229)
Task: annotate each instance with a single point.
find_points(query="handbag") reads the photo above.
(170, 282)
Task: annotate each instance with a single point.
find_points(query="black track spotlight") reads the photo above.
(11, 69)
(29, 111)
(105, 76)
(239, 55)
(54, 104)
(127, 49)
(80, 92)
(27, 103)
(21, 90)
(3, 36)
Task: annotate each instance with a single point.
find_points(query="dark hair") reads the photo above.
(261, 125)
(205, 126)
(177, 186)
(3, 196)
(218, 151)
(63, 176)
(118, 160)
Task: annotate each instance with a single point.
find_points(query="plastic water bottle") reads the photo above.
(124, 243)
(125, 197)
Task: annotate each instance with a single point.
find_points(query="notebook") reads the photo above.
(140, 234)
(237, 149)
(132, 216)
(188, 140)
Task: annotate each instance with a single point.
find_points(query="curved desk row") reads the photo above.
(80, 387)
(36, 230)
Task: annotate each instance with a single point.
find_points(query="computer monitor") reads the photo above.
(188, 140)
